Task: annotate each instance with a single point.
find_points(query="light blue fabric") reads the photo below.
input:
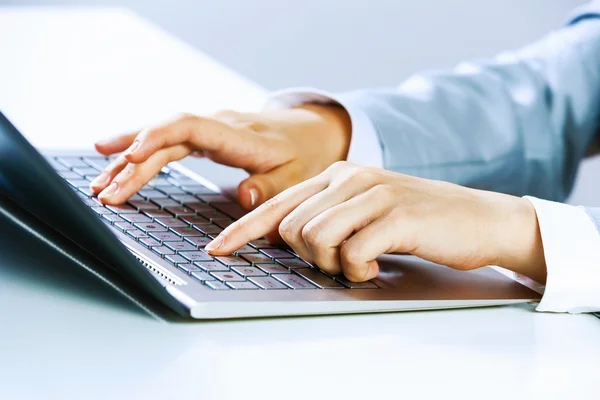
(519, 123)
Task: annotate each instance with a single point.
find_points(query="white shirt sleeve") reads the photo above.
(571, 243)
(365, 148)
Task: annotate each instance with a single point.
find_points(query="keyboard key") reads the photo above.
(277, 253)
(100, 163)
(217, 285)
(212, 199)
(162, 251)
(181, 246)
(199, 241)
(273, 268)
(196, 189)
(133, 218)
(198, 207)
(267, 282)
(188, 268)
(142, 205)
(232, 260)
(318, 278)
(122, 209)
(70, 175)
(137, 234)
(213, 215)
(112, 218)
(166, 236)
(223, 223)
(72, 162)
(211, 266)
(165, 202)
(184, 198)
(176, 259)
(152, 194)
(187, 231)
(85, 190)
(294, 281)
(194, 219)
(208, 229)
(149, 242)
(261, 244)
(248, 271)
(202, 276)
(171, 190)
(78, 183)
(242, 285)
(57, 166)
(86, 171)
(195, 256)
(100, 210)
(150, 226)
(257, 258)
(157, 214)
(228, 276)
(170, 222)
(232, 209)
(246, 250)
(293, 263)
(125, 226)
(356, 285)
(180, 211)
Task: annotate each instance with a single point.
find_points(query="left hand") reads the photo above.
(347, 216)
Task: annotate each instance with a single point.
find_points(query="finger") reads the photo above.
(103, 180)
(259, 188)
(358, 254)
(265, 218)
(135, 176)
(292, 228)
(116, 144)
(234, 147)
(324, 234)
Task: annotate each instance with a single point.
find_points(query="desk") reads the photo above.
(72, 76)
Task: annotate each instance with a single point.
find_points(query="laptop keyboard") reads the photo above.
(176, 217)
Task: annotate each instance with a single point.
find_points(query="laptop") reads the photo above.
(151, 248)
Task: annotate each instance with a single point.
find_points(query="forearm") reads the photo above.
(518, 124)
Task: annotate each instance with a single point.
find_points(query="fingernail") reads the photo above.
(100, 180)
(134, 146)
(215, 244)
(253, 197)
(110, 190)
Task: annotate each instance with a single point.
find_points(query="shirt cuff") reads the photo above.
(572, 250)
(365, 148)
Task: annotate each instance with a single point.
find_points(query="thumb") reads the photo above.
(259, 188)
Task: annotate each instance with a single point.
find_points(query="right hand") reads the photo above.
(277, 148)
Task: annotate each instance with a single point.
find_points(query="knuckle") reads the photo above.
(287, 231)
(350, 255)
(382, 190)
(185, 116)
(226, 114)
(312, 234)
(271, 204)
(338, 166)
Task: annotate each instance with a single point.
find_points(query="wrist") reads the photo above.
(336, 128)
(519, 245)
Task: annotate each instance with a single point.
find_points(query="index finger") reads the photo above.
(266, 218)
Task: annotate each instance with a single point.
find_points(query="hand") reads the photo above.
(278, 149)
(347, 216)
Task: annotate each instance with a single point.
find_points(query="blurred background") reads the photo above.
(343, 44)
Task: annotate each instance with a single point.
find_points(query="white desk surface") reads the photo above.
(68, 77)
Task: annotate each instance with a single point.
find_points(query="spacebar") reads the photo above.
(318, 278)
